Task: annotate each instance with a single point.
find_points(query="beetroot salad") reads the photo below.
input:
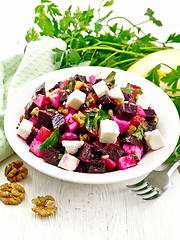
(90, 125)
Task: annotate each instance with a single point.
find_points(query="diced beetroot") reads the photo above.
(98, 145)
(31, 137)
(110, 164)
(54, 97)
(34, 120)
(140, 111)
(35, 148)
(132, 149)
(44, 118)
(126, 162)
(85, 152)
(97, 166)
(123, 124)
(58, 121)
(150, 113)
(105, 102)
(114, 151)
(69, 136)
(83, 167)
(131, 140)
(72, 110)
(40, 100)
(63, 96)
(62, 84)
(51, 156)
(43, 134)
(126, 111)
(41, 89)
(136, 120)
(71, 122)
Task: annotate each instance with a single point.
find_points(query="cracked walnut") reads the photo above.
(15, 171)
(12, 193)
(45, 206)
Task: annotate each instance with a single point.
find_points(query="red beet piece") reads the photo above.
(85, 153)
(44, 118)
(131, 140)
(58, 121)
(41, 89)
(113, 150)
(126, 111)
(96, 166)
(105, 103)
(51, 156)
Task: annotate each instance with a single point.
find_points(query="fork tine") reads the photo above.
(136, 184)
(143, 187)
(151, 190)
(153, 197)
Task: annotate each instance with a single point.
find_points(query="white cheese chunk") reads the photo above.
(116, 94)
(25, 128)
(143, 101)
(154, 139)
(72, 146)
(108, 131)
(68, 162)
(100, 88)
(76, 99)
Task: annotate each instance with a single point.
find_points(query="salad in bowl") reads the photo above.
(92, 125)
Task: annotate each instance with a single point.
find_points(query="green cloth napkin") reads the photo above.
(18, 70)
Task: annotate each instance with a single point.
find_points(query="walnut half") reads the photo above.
(45, 206)
(15, 171)
(11, 193)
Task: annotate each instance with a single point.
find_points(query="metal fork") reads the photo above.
(156, 183)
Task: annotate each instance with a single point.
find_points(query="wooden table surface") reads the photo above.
(87, 212)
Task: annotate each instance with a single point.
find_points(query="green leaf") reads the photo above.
(110, 78)
(153, 75)
(74, 57)
(45, 1)
(113, 28)
(58, 54)
(31, 35)
(98, 27)
(140, 131)
(173, 38)
(150, 13)
(108, 3)
(51, 141)
(92, 119)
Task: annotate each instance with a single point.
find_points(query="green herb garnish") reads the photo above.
(51, 141)
(92, 119)
(140, 131)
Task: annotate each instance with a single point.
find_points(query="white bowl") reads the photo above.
(162, 104)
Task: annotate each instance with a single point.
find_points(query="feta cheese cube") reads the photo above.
(100, 88)
(68, 162)
(116, 94)
(72, 146)
(143, 101)
(108, 131)
(76, 99)
(25, 128)
(154, 139)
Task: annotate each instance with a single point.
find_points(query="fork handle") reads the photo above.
(172, 167)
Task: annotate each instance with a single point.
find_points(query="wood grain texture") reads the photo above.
(85, 212)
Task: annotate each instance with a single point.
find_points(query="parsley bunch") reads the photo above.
(101, 42)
